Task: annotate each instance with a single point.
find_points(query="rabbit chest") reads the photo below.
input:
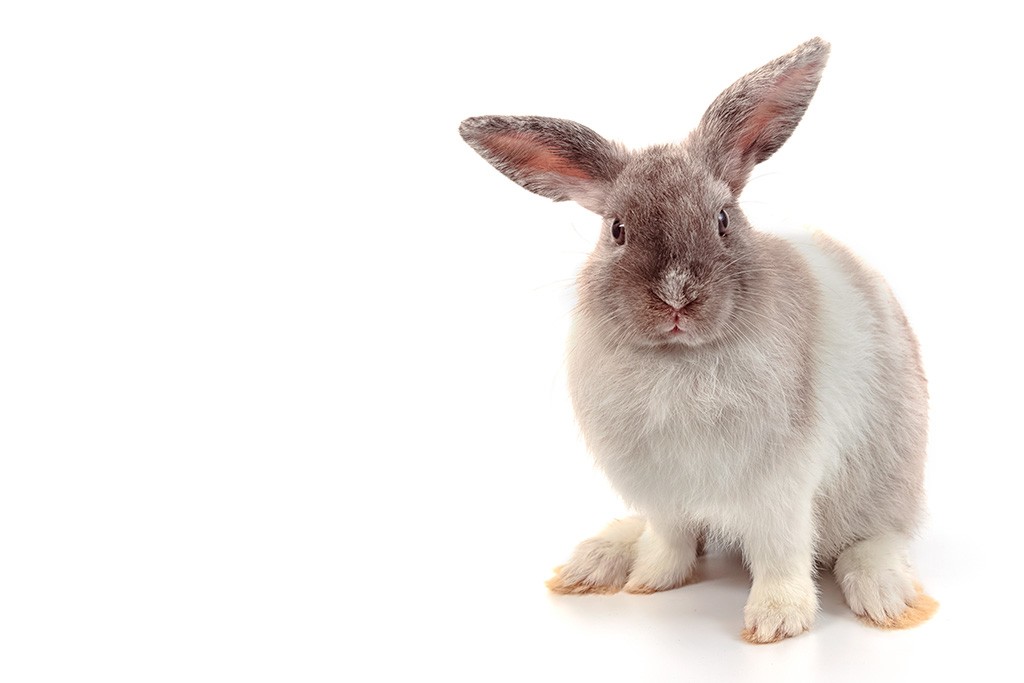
(698, 432)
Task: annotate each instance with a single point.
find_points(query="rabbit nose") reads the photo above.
(672, 288)
(676, 304)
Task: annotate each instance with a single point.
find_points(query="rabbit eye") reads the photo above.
(618, 231)
(723, 222)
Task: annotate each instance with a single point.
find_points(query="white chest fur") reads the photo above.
(694, 434)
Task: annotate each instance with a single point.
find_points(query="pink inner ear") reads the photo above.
(777, 101)
(759, 120)
(530, 155)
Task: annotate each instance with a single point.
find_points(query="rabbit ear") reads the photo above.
(555, 158)
(748, 122)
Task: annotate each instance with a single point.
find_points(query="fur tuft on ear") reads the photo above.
(554, 158)
(754, 116)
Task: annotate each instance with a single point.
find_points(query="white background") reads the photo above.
(281, 391)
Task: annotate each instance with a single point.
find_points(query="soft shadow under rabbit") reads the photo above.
(764, 391)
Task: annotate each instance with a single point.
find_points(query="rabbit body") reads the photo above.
(761, 390)
(825, 410)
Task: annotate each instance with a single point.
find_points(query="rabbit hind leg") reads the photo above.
(876, 579)
(600, 564)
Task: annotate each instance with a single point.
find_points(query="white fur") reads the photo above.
(846, 379)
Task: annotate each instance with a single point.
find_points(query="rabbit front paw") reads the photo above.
(779, 610)
(663, 561)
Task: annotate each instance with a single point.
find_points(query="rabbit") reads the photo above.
(761, 391)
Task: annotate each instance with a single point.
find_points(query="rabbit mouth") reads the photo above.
(680, 325)
(693, 325)
(677, 329)
(676, 332)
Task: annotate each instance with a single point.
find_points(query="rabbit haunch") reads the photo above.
(764, 390)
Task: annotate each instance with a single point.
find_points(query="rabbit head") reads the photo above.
(676, 262)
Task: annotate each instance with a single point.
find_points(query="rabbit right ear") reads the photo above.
(555, 158)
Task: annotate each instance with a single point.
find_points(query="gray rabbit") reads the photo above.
(760, 391)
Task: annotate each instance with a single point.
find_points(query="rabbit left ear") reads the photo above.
(554, 158)
(754, 116)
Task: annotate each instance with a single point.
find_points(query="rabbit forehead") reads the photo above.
(665, 184)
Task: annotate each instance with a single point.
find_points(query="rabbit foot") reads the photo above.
(600, 564)
(663, 562)
(878, 584)
(778, 611)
